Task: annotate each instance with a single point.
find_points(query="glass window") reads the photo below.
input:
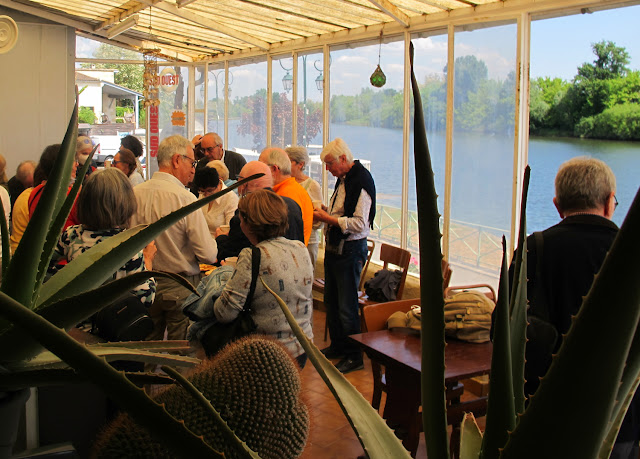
(199, 125)
(310, 80)
(370, 121)
(483, 146)
(248, 110)
(215, 87)
(282, 105)
(430, 60)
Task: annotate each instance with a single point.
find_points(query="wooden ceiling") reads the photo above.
(195, 30)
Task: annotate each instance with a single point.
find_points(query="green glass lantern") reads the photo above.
(378, 78)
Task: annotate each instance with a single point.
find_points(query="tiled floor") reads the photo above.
(331, 435)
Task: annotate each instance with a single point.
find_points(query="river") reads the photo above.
(482, 166)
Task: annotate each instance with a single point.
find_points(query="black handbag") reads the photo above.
(219, 334)
(124, 320)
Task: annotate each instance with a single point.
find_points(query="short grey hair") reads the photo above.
(172, 145)
(298, 154)
(221, 167)
(106, 200)
(216, 138)
(277, 157)
(583, 183)
(336, 148)
(21, 171)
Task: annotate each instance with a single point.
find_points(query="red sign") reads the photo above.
(154, 131)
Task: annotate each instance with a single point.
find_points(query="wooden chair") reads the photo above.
(375, 317)
(491, 293)
(318, 283)
(389, 255)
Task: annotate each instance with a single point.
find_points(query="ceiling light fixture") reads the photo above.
(122, 27)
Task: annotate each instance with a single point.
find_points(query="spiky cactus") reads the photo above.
(255, 386)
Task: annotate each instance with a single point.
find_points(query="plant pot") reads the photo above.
(11, 404)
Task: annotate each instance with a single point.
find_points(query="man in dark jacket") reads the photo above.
(230, 245)
(349, 217)
(561, 264)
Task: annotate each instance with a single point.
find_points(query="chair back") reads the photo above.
(371, 245)
(392, 255)
(491, 293)
(446, 274)
(376, 315)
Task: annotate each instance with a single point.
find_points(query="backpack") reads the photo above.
(467, 316)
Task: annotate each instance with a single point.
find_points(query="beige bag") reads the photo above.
(467, 316)
(409, 319)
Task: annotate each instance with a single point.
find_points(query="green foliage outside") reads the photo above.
(602, 101)
(86, 115)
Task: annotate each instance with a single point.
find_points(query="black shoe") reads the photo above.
(347, 365)
(331, 353)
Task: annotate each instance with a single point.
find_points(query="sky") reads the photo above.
(558, 47)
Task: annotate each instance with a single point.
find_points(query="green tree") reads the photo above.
(611, 62)
(127, 75)
(470, 72)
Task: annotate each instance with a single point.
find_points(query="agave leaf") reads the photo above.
(47, 360)
(377, 439)
(176, 345)
(598, 341)
(97, 264)
(38, 378)
(518, 303)
(16, 344)
(501, 415)
(470, 438)
(434, 413)
(20, 280)
(60, 220)
(143, 410)
(231, 437)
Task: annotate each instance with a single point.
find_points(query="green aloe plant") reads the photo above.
(32, 313)
(565, 418)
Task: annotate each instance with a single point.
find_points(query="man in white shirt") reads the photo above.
(182, 246)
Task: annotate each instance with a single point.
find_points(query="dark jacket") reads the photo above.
(230, 245)
(234, 162)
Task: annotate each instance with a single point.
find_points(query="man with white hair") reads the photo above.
(212, 147)
(230, 245)
(181, 247)
(286, 186)
(349, 216)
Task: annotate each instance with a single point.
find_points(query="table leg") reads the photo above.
(402, 408)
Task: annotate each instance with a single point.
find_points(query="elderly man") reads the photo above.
(212, 148)
(22, 180)
(286, 186)
(349, 216)
(183, 245)
(230, 245)
(561, 263)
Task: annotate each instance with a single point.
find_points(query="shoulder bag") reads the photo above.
(220, 334)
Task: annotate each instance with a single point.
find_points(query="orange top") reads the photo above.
(292, 189)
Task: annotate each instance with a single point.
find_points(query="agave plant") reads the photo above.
(566, 417)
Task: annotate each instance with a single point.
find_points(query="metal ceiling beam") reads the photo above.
(119, 17)
(393, 11)
(172, 9)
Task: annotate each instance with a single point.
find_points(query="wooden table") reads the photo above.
(399, 351)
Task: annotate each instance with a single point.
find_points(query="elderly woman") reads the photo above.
(105, 205)
(126, 162)
(284, 266)
(218, 212)
(299, 159)
(223, 171)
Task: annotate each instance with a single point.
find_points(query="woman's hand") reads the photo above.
(149, 253)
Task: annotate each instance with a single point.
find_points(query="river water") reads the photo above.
(483, 170)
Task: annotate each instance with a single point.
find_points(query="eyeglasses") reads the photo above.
(615, 200)
(114, 162)
(193, 161)
(211, 149)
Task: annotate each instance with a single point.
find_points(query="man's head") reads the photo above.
(131, 142)
(255, 167)
(279, 163)
(337, 157)
(211, 144)
(175, 157)
(24, 173)
(585, 185)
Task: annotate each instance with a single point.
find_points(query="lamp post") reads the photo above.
(287, 83)
(215, 78)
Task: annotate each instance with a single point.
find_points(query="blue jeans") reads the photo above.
(341, 279)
